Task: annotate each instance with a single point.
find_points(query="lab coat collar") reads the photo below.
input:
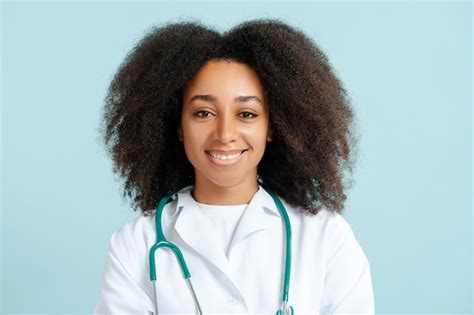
(195, 230)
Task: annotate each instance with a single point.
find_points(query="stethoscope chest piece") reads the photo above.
(285, 309)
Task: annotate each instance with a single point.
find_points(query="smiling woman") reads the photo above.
(226, 144)
(232, 145)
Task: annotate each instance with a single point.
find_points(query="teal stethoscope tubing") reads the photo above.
(162, 242)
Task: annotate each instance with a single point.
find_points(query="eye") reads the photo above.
(202, 114)
(246, 115)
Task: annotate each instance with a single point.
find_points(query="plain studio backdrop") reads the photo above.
(407, 67)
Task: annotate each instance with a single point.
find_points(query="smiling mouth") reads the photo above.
(225, 159)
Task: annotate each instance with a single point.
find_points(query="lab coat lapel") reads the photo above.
(256, 217)
(195, 230)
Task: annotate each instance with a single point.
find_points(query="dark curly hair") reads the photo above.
(312, 151)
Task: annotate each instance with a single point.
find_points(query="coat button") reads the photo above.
(232, 300)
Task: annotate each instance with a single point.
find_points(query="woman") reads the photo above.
(225, 121)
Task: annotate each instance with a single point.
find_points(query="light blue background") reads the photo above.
(408, 70)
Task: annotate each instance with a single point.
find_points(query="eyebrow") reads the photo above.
(212, 98)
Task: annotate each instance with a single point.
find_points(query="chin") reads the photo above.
(223, 182)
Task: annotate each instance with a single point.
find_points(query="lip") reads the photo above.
(226, 162)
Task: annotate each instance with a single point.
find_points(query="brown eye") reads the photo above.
(248, 115)
(202, 114)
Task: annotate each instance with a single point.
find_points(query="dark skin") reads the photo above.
(215, 119)
(309, 161)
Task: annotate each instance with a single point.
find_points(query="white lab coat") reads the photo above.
(330, 273)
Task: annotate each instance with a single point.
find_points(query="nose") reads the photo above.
(226, 129)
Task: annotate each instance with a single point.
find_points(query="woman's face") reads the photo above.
(224, 123)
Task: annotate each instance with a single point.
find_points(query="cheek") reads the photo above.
(194, 141)
(257, 139)
(258, 132)
(190, 142)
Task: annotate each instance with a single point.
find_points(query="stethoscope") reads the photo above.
(161, 241)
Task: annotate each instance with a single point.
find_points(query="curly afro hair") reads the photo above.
(312, 152)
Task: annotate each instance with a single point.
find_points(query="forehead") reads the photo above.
(223, 76)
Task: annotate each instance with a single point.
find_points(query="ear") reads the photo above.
(270, 134)
(180, 133)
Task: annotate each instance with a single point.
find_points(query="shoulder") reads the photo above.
(132, 239)
(134, 229)
(327, 229)
(140, 232)
(325, 221)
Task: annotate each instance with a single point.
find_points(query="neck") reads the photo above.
(210, 193)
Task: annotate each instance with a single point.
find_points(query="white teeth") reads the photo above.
(224, 157)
